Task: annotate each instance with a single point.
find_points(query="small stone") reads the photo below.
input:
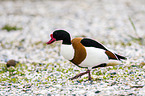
(78, 81)
(111, 76)
(11, 63)
(113, 73)
(28, 89)
(73, 94)
(37, 70)
(40, 64)
(10, 84)
(97, 92)
(113, 83)
(48, 94)
(131, 94)
(131, 72)
(133, 65)
(137, 86)
(29, 86)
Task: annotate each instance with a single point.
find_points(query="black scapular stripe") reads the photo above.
(120, 57)
(92, 43)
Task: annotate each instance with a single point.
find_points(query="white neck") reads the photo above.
(67, 51)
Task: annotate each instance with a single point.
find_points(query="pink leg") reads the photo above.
(79, 75)
(89, 75)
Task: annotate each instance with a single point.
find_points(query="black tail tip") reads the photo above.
(121, 57)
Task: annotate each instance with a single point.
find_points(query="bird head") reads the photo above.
(60, 35)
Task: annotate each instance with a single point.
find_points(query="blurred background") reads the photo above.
(110, 22)
(105, 21)
(26, 25)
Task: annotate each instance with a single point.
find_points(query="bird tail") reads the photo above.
(120, 57)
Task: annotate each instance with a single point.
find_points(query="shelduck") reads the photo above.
(84, 52)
